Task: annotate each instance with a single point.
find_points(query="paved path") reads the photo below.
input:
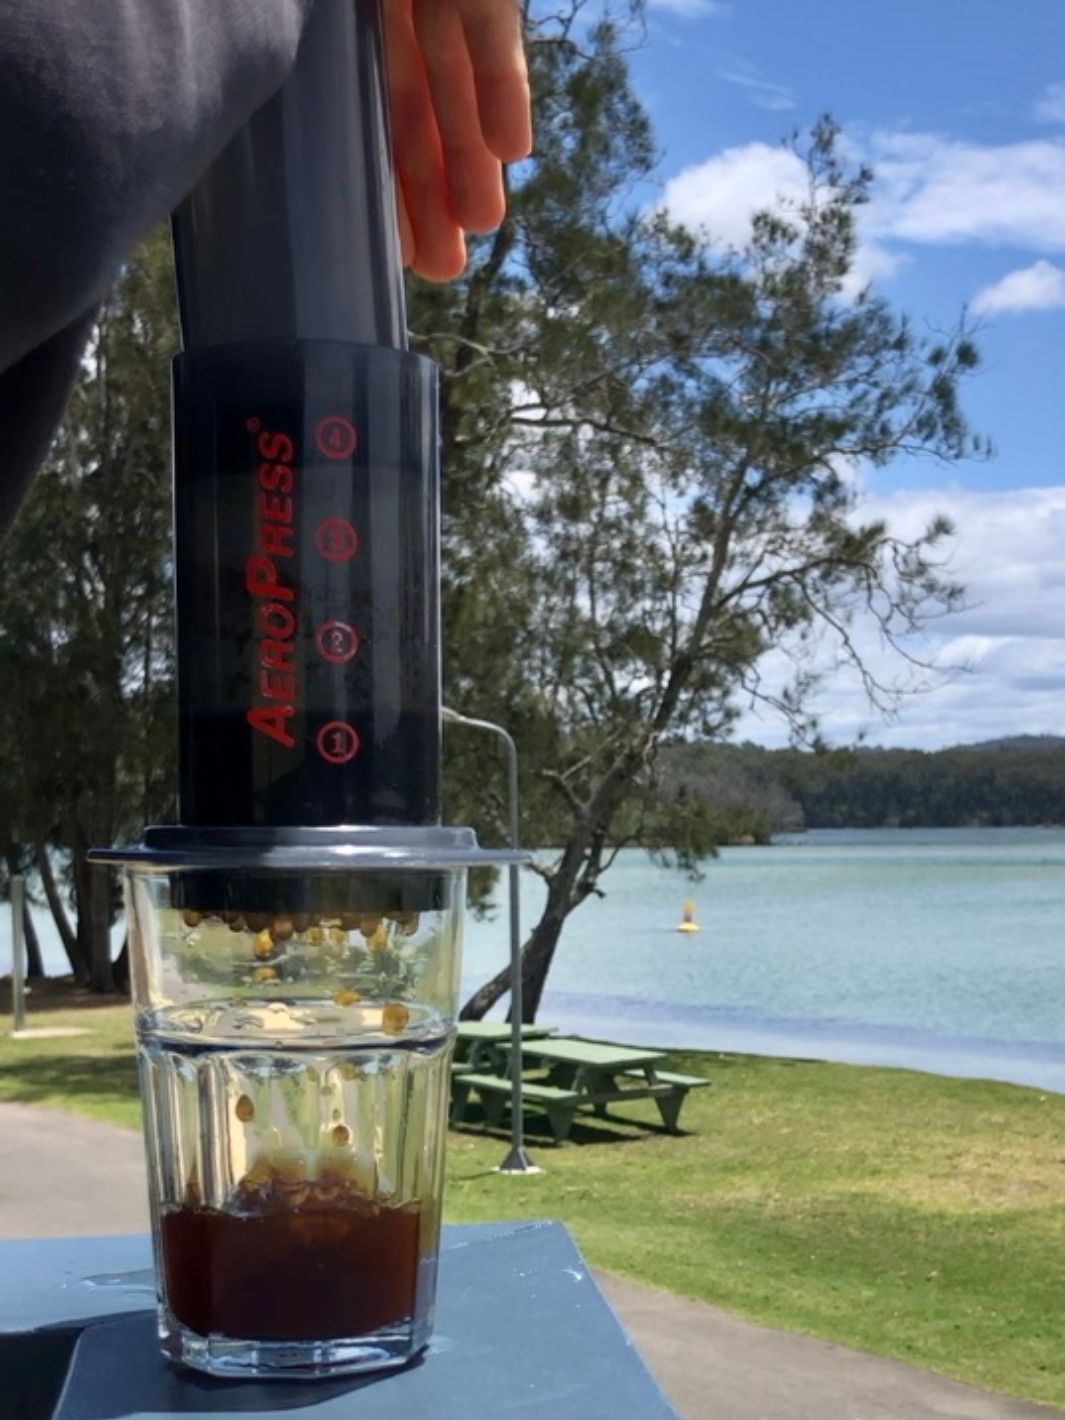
(715, 1366)
(61, 1174)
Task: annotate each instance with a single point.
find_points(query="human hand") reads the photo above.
(459, 96)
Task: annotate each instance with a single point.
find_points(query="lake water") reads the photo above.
(939, 949)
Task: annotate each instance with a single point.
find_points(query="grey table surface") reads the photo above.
(522, 1331)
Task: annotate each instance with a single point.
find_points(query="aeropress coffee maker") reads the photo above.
(295, 937)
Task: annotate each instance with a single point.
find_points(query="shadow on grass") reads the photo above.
(587, 1129)
(48, 1077)
(57, 993)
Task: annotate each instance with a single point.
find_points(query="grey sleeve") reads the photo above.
(109, 111)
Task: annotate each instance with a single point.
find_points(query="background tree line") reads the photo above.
(1001, 783)
(647, 440)
(87, 718)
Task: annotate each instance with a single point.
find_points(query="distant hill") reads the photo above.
(1020, 742)
(1019, 780)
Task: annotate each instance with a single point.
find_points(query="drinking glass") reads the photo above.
(294, 1036)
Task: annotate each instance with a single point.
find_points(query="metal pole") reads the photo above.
(18, 952)
(517, 1159)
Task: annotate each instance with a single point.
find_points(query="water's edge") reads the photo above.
(1037, 1064)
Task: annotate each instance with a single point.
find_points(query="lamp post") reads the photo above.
(517, 1160)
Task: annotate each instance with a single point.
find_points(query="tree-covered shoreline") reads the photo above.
(754, 792)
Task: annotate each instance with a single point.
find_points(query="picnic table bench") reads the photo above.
(580, 1074)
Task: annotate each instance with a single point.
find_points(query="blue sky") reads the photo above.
(960, 107)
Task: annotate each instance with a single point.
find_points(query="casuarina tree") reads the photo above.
(85, 638)
(653, 446)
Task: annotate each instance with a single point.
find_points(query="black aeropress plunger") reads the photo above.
(306, 494)
(305, 467)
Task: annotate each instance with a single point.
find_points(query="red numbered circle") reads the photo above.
(336, 437)
(337, 742)
(337, 641)
(336, 539)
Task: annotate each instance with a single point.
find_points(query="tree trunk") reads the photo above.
(34, 963)
(485, 997)
(121, 968)
(536, 956)
(91, 894)
(567, 889)
(78, 963)
(536, 961)
(101, 970)
(34, 966)
(82, 921)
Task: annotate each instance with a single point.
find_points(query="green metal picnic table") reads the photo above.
(581, 1074)
(589, 1066)
(478, 1042)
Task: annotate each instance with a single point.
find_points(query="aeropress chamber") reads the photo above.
(295, 937)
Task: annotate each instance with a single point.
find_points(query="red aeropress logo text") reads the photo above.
(276, 616)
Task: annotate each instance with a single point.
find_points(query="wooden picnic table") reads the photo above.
(580, 1074)
(478, 1042)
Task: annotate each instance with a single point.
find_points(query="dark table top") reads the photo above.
(522, 1330)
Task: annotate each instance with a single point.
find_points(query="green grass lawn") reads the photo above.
(94, 1074)
(909, 1215)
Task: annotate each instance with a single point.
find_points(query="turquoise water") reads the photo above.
(942, 949)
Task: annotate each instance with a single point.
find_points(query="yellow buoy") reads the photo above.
(688, 922)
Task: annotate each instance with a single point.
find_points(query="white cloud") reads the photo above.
(1040, 287)
(721, 195)
(872, 262)
(934, 189)
(1009, 551)
(929, 189)
(1050, 105)
(688, 9)
(1010, 554)
(760, 91)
